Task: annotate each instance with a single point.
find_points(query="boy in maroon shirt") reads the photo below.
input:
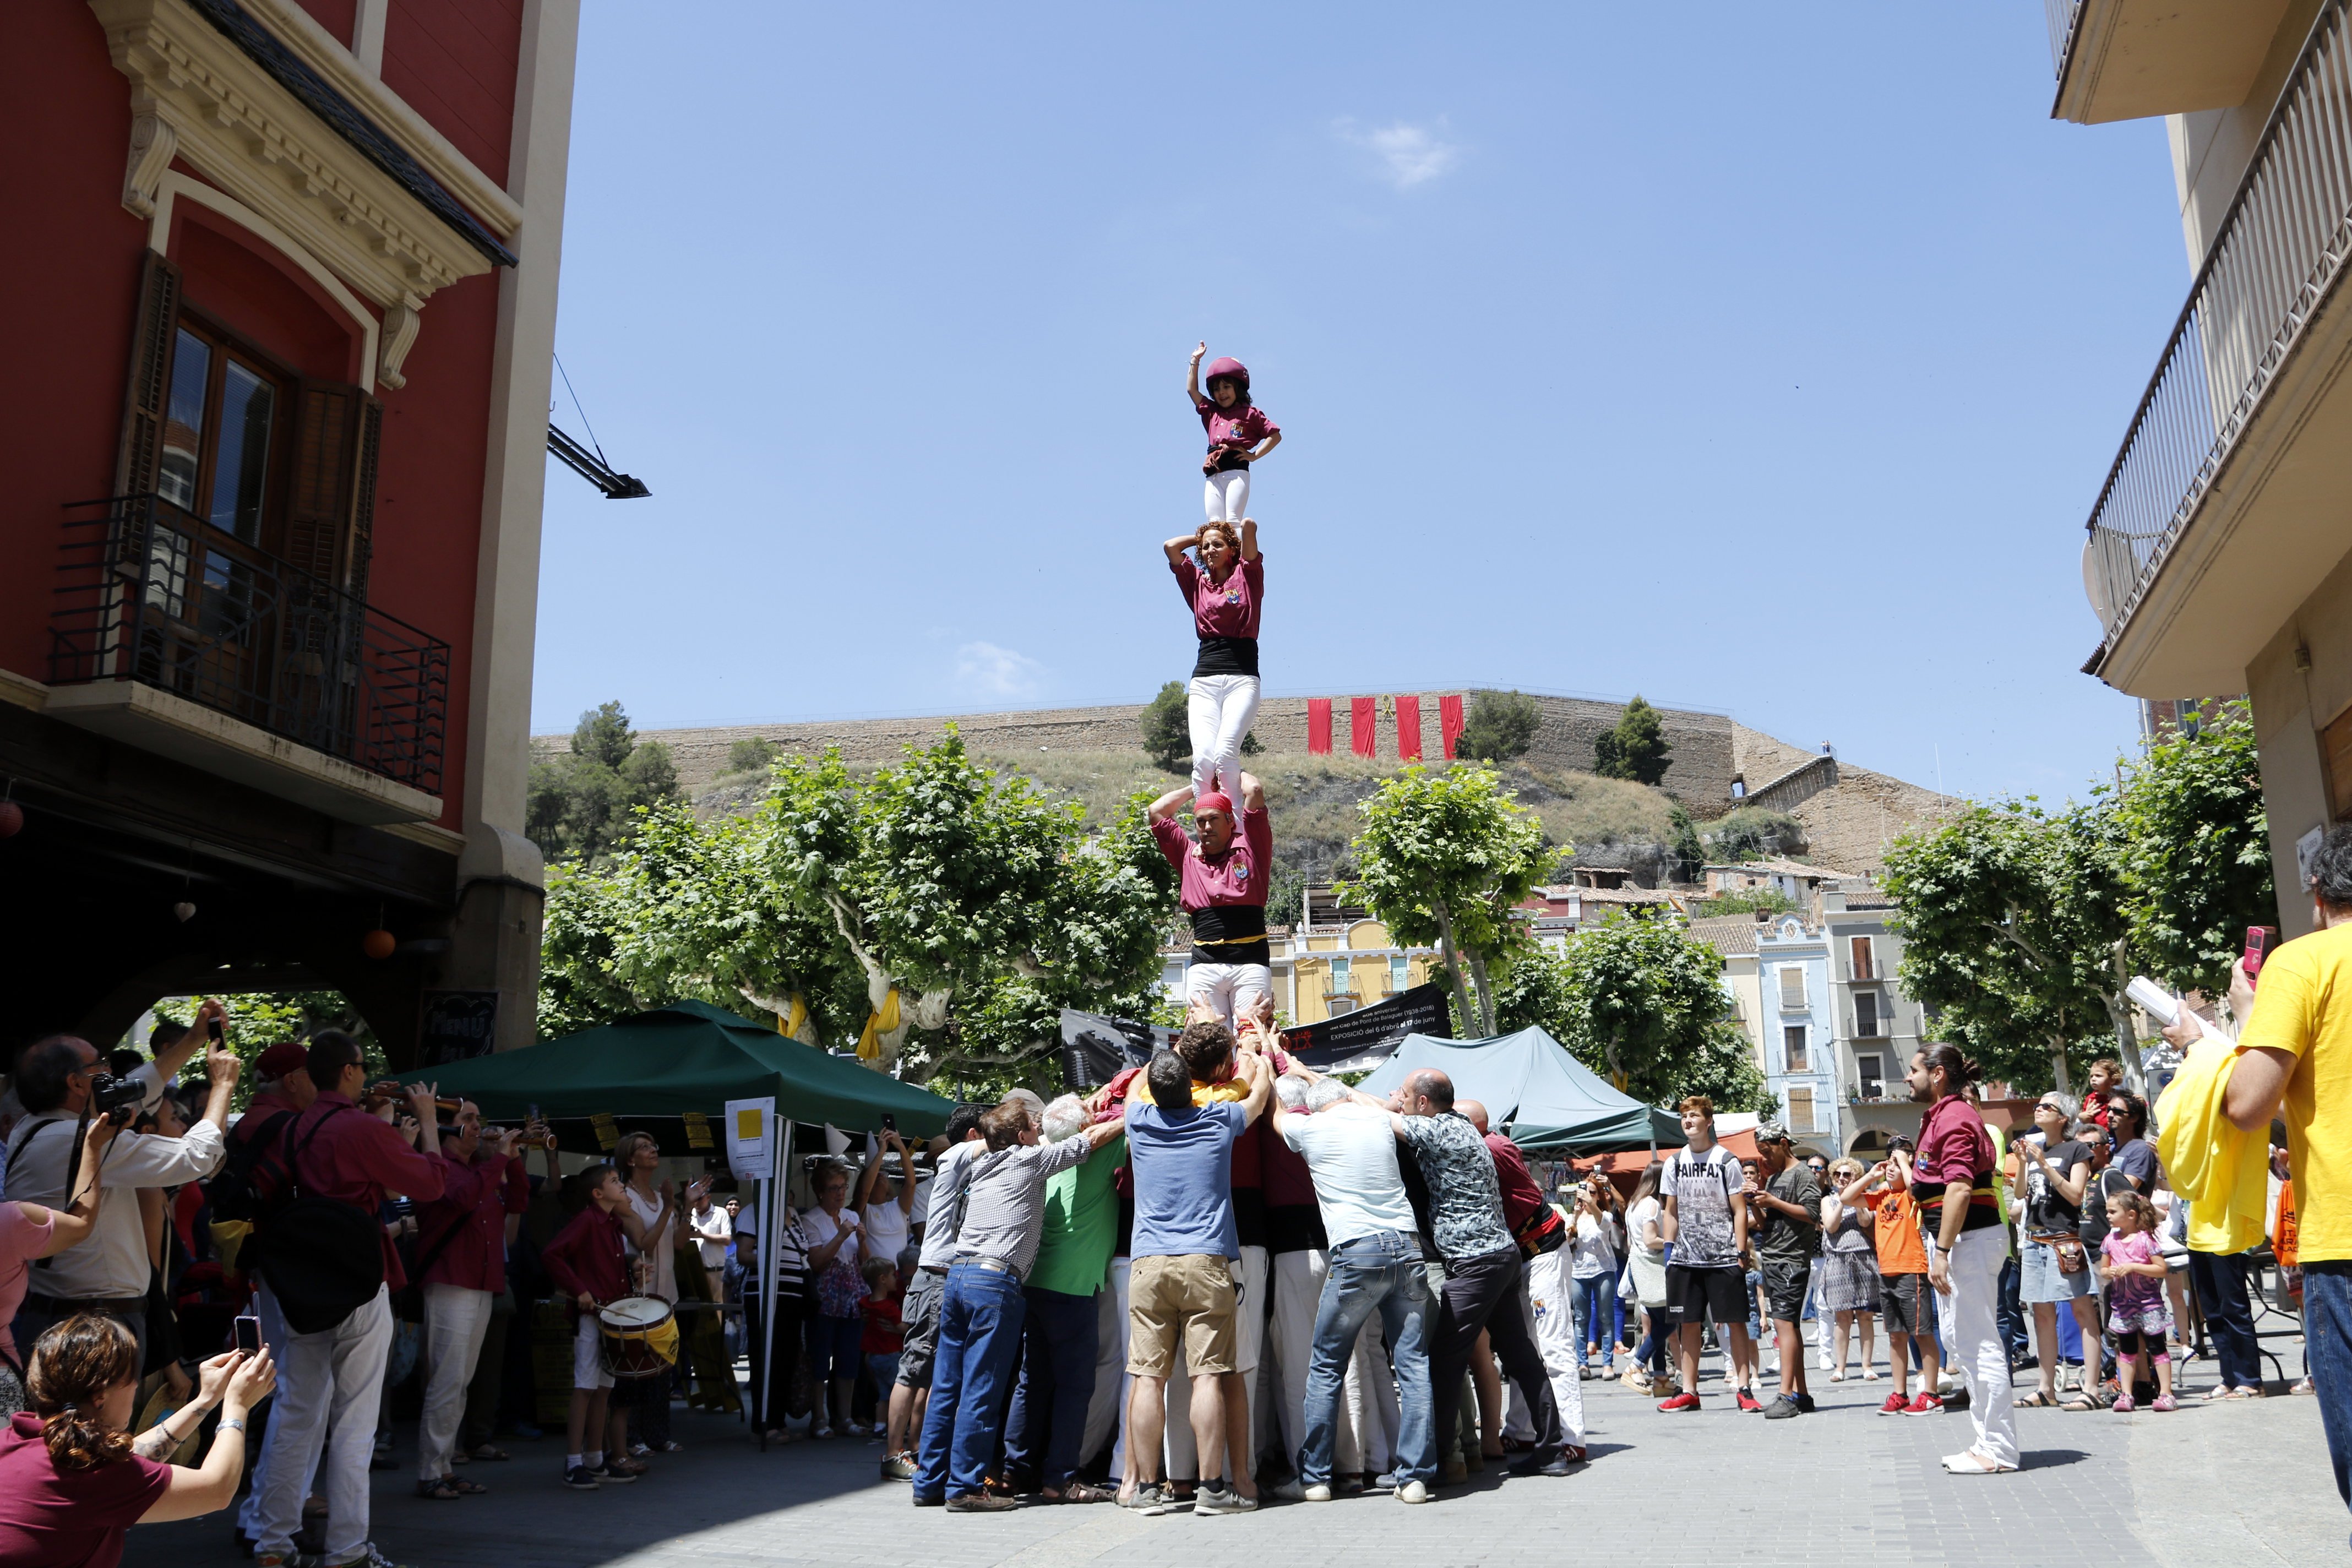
(585, 1261)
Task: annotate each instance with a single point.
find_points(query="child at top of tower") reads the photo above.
(1235, 427)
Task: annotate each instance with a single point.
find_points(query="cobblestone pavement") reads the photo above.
(2243, 1483)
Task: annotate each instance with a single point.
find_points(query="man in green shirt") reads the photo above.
(1046, 1426)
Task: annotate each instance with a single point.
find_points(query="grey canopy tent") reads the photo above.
(1544, 1098)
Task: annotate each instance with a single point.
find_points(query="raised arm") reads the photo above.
(1167, 806)
(1192, 376)
(1851, 1194)
(237, 1383)
(1174, 548)
(867, 1177)
(1249, 528)
(1260, 1073)
(1253, 793)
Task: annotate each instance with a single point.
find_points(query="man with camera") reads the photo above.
(63, 1081)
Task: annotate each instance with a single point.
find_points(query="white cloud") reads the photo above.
(985, 669)
(1409, 155)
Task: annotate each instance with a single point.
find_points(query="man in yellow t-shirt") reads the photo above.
(2297, 1052)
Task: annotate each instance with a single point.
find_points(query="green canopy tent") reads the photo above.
(1544, 1098)
(687, 1057)
(691, 1058)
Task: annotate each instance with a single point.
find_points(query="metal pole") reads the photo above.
(769, 1307)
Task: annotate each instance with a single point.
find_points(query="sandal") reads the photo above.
(489, 1454)
(2038, 1400)
(1083, 1491)
(436, 1491)
(464, 1488)
(2085, 1401)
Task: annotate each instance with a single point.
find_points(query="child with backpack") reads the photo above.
(585, 1261)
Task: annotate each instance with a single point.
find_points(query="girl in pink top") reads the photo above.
(1223, 590)
(1236, 428)
(30, 1231)
(2132, 1263)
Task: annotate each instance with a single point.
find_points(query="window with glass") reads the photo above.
(1864, 960)
(1399, 972)
(1792, 1046)
(1871, 1068)
(219, 417)
(1866, 1015)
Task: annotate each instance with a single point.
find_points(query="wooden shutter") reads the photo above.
(149, 381)
(362, 547)
(319, 496)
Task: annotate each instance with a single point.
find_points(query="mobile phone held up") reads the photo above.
(248, 1335)
(889, 1122)
(2260, 942)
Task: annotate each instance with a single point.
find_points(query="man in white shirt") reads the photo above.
(711, 1235)
(1375, 1267)
(107, 1273)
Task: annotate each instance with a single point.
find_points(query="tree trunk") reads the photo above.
(1485, 994)
(2059, 1078)
(1453, 963)
(2119, 1012)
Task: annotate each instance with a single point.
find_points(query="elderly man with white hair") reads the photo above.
(1043, 1433)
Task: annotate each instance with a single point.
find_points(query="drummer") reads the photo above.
(585, 1261)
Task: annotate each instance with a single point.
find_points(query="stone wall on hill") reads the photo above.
(1702, 763)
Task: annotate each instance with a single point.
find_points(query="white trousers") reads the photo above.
(1220, 708)
(1226, 496)
(1973, 1309)
(333, 1377)
(1249, 1340)
(1551, 1291)
(248, 1514)
(1361, 1441)
(1226, 989)
(1106, 1406)
(455, 1319)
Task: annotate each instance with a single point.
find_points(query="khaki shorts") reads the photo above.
(1188, 1299)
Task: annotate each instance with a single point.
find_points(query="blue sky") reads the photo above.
(1764, 360)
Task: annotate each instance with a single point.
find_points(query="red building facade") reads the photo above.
(283, 294)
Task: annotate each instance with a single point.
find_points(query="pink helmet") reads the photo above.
(1230, 369)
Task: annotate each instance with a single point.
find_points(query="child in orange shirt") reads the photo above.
(1906, 1302)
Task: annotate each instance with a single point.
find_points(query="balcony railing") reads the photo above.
(2061, 15)
(149, 593)
(2280, 247)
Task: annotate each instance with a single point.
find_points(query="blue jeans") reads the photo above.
(2220, 1278)
(980, 1331)
(2011, 1312)
(1048, 1421)
(1380, 1273)
(1651, 1352)
(2327, 1346)
(1596, 1300)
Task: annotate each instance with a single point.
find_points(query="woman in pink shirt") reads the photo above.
(1236, 428)
(1223, 590)
(29, 1231)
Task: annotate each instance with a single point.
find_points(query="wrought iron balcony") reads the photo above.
(150, 594)
(2278, 251)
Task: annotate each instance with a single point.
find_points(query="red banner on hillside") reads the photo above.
(1318, 726)
(1364, 738)
(1408, 729)
(1449, 722)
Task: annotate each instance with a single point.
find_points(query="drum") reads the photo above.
(639, 1336)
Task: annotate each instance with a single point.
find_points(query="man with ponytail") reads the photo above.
(1960, 1208)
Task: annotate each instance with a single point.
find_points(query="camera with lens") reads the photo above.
(116, 1098)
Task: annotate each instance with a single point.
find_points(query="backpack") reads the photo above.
(253, 1176)
(322, 1260)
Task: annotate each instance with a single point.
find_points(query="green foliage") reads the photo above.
(980, 898)
(258, 1020)
(1747, 900)
(2010, 915)
(753, 754)
(1441, 859)
(1750, 833)
(583, 804)
(1639, 998)
(1500, 725)
(1683, 840)
(2199, 854)
(1167, 730)
(1250, 748)
(1636, 749)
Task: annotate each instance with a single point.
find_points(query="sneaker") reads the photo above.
(1923, 1403)
(364, 1555)
(1296, 1490)
(2123, 1404)
(1147, 1495)
(580, 1478)
(1413, 1491)
(1558, 1465)
(981, 1502)
(280, 1560)
(612, 1475)
(1221, 1500)
(1747, 1404)
(1896, 1405)
(1805, 1402)
(1784, 1408)
(2165, 1402)
(1827, 1365)
(922, 1501)
(899, 1466)
(1680, 1402)
(820, 1431)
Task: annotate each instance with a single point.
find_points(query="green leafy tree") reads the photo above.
(1683, 842)
(581, 804)
(754, 754)
(260, 1019)
(1167, 730)
(1642, 1004)
(1750, 833)
(2199, 853)
(1636, 748)
(1748, 900)
(1446, 859)
(1500, 725)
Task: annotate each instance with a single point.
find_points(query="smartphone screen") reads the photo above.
(889, 1122)
(248, 1335)
(2260, 940)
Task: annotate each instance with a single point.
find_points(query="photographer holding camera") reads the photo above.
(61, 1081)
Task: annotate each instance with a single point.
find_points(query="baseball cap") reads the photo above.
(285, 1057)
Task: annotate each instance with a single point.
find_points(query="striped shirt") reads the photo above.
(1005, 1212)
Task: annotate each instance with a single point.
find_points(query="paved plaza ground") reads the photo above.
(2240, 1483)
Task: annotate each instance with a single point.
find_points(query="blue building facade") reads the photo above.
(1800, 1063)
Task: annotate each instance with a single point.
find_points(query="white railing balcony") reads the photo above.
(2278, 252)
